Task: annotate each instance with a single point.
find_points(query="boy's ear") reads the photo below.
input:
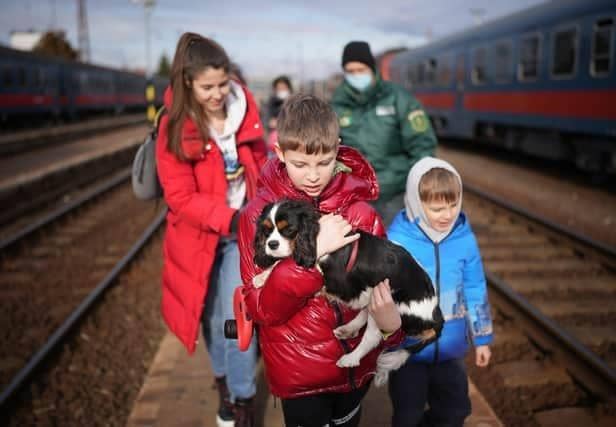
(279, 152)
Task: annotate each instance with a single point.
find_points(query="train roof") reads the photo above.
(8, 51)
(520, 22)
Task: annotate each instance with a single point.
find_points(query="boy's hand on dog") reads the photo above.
(332, 234)
(383, 309)
(482, 356)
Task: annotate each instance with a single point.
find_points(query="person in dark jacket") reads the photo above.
(282, 89)
(384, 122)
(295, 320)
(209, 152)
(433, 229)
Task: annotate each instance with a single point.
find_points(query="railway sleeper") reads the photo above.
(538, 385)
(601, 286)
(528, 253)
(510, 345)
(573, 417)
(562, 267)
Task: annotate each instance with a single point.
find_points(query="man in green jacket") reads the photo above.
(384, 122)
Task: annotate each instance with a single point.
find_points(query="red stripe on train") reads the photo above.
(437, 100)
(582, 104)
(25, 100)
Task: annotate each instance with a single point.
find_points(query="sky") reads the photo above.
(265, 37)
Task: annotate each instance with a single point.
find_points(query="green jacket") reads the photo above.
(388, 126)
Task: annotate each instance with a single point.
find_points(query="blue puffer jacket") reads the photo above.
(455, 267)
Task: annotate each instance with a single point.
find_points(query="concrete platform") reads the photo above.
(179, 392)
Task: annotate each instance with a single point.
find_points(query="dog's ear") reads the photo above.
(305, 251)
(261, 259)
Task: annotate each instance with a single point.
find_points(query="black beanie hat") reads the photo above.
(360, 52)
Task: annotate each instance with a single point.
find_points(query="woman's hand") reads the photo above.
(332, 232)
(482, 356)
(383, 309)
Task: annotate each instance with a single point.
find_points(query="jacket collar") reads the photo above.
(249, 129)
(414, 231)
(358, 184)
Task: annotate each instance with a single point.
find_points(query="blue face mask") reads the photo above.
(358, 81)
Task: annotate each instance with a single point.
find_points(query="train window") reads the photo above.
(444, 72)
(36, 77)
(601, 54)
(564, 52)
(460, 69)
(528, 67)
(410, 75)
(479, 71)
(421, 73)
(431, 71)
(21, 77)
(7, 77)
(502, 62)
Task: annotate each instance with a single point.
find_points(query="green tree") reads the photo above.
(164, 67)
(54, 43)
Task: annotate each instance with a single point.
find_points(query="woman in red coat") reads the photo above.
(209, 153)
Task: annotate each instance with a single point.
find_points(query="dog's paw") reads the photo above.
(380, 378)
(260, 279)
(348, 361)
(343, 332)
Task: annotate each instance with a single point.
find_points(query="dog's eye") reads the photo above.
(281, 225)
(267, 224)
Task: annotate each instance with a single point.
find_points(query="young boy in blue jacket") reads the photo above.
(435, 231)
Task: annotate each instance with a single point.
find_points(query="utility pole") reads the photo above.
(83, 35)
(147, 11)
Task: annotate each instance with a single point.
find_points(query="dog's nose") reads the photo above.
(273, 245)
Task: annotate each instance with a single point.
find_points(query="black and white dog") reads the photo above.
(290, 228)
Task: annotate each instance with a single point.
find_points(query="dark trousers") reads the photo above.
(325, 409)
(444, 386)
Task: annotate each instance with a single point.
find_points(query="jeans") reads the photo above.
(227, 360)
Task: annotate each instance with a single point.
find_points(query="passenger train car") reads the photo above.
(541, 81)
(40, 87)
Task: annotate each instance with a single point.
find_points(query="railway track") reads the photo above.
(552, 291)
(55, 271)
(23, 141)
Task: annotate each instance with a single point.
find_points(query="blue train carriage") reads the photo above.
(29, 86)
(541, 81)
(90, 89)
(130, 91)
(160, 84)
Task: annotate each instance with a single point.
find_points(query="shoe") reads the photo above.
(245, 412)
(225, 414)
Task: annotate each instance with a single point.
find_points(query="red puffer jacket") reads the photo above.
(296, 325)
(196, 193)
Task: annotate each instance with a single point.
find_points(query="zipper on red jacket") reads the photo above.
(345, 345)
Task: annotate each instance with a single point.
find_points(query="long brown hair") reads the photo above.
(194, 53)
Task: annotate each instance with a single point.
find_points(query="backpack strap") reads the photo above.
(161, 111)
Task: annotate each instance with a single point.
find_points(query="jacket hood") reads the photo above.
(411, 228)
(236, 104)
(243, 120)
(412, 203)
(356, 182)
(236, 109)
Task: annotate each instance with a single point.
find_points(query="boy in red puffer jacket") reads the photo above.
(295, 321)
